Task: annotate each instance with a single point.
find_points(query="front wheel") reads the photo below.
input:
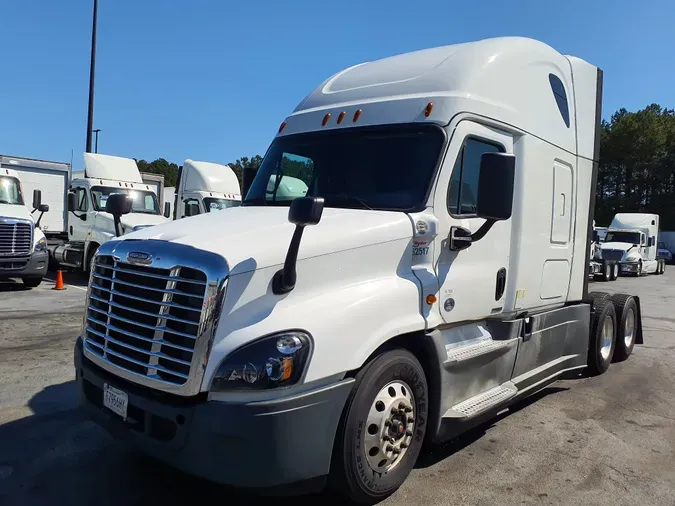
(382, 428)
(31, 282)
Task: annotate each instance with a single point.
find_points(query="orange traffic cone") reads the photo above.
(59, 281)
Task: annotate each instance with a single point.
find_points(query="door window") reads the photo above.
(463, 188)
(82, 202)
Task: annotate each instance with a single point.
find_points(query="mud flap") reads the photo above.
(638, 337)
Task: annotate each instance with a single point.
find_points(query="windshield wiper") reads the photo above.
(3, 201)
(348, 199)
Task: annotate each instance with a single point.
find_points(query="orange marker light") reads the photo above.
(341, 117)
(325, 119)
(286, 368)
(431, 299)
(357, 115)
(428, 109)
(282, 126)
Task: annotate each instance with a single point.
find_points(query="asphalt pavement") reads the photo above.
(608, 440)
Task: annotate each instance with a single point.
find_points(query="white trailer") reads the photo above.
(632, 240)
(434, 272)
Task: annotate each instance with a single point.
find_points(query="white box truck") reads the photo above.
(632, 240)
(89, 223)
(23, 246)
(435, 271)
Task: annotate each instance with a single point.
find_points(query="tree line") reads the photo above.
(636, 171)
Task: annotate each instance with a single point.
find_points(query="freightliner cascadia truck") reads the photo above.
(434, 272)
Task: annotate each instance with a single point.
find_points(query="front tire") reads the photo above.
(31, 282)
(382, 428)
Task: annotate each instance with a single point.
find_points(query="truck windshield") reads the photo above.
(143, 201)
(629, 237)
(212, 204)
(385, 168)
(10, 191)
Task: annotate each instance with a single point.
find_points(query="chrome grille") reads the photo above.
(16, 237)
(612, 254)
(145, 319)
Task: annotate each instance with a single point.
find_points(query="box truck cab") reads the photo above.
(632, 240)
(23, 247)
(204, 187)
(434, 272)
(90, 224)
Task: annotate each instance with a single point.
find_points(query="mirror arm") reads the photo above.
(484, 229)
(117, 221)
(284, 279)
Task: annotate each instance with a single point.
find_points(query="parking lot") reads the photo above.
(604, 440)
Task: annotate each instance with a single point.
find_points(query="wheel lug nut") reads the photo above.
(408, 433)
(390, 448)
(396, 451)
(387, 423)
(411, 420)
(408, 410)
(404, 445)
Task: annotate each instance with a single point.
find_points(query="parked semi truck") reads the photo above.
(204, 187)
(23, 247)
(434, 272)
(89, 224)
(601, 269)
(632, 240)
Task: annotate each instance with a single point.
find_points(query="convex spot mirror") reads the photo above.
(118, 204)
(43, 208)
(495, 186)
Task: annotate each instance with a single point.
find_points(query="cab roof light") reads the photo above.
(282, 126)
(341, 117)
(428, 109)
(325, 119)
(357, 115)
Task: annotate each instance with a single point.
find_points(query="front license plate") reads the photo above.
(115, 400)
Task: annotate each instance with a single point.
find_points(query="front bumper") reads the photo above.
(263, 444)
(33, 266)
(629, 267)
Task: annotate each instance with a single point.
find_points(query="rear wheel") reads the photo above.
(382, 428)
(615, 271)
(31, 282)
(602, 338)
(626, 327)
(593, 298)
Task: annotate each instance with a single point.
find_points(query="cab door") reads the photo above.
(472, 281)
(78, 222)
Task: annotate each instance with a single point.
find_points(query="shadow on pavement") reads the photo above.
(12, 286)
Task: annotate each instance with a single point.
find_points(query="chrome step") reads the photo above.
(481, 346)
(483, 402)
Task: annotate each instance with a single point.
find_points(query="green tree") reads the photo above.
(245, 162)
(637, 165)
(160, 166)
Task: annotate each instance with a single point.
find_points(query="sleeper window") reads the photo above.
(464, 181)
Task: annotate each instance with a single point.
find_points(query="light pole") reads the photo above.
(92, 70)
(96, 131)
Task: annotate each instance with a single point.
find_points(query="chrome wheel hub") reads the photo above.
(629, 328)
(390, 426)
(607, 337)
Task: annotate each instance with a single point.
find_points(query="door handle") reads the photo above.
(501, 283)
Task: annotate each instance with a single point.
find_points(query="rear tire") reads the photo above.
(626, 327)
(360, 442)
(593, 298)
(602, 340)
(615, 271)
(31, 282)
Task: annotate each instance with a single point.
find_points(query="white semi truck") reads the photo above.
(23, 247)
(632, 240)
(601, 269)
(204, 187)
(89, 223)
(434, 272)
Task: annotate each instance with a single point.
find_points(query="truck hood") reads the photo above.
(132, 220)
(623, 246)
(15, 211)
(252, 238)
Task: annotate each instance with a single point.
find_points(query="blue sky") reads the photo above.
(212, 79)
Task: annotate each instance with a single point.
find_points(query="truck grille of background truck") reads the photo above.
(16, 237)
(612, 254)
(145, 320)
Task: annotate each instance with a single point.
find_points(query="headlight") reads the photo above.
(41, 245)
(632, 258)
(598, 255)
(274, 361)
